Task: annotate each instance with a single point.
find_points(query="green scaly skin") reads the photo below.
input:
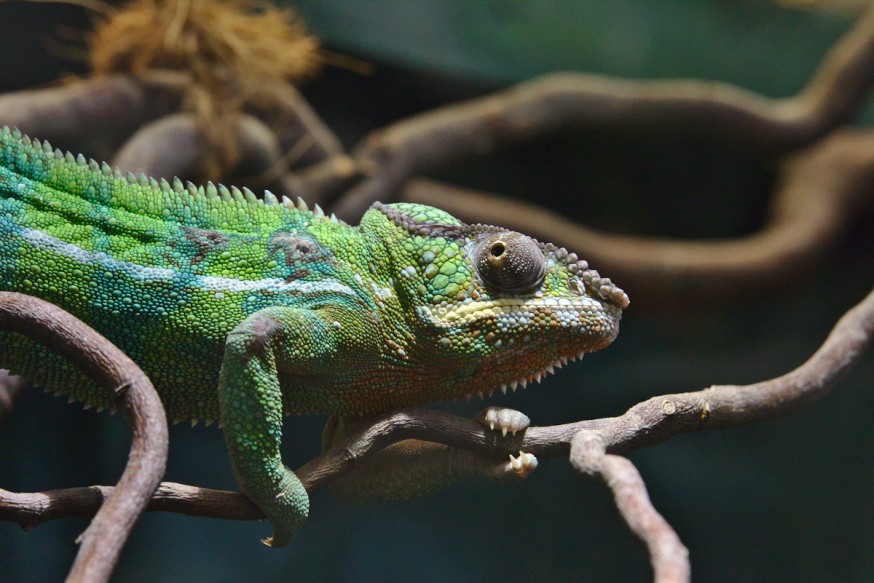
(242, 310)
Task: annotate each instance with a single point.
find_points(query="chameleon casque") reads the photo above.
(242, 309)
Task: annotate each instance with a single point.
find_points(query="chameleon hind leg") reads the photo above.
(301, 344)
(413, 468)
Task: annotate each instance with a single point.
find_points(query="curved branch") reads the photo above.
(106, 108)
(320, 183)
(669, 557)
(819, 193)
(146, 151)
(132, 394)
(587, 102)
(645, 424)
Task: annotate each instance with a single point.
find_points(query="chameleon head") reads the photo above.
(492, 308)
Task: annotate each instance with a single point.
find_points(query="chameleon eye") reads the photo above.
(509, 262)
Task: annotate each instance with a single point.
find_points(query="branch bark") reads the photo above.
(134, 396)
(146, 151)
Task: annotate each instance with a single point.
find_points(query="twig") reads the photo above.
(819, 193)
(297, 121)
(132, 394)
(324, 181)
(30, 510)
(554, 102)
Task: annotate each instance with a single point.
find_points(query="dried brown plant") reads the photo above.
(234, 51)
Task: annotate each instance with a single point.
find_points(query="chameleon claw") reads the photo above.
(507, 420)
(523, 465)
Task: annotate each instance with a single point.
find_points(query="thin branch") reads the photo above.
(645, 424)
(131, 393)
(820, 192)
(668, 555)
(298, 121)
(579, 101)
(30, 510)
(324, 181)
(146, 151)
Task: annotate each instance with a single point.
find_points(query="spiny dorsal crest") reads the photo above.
(233, 194)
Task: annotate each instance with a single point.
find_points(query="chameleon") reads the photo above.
(243, 309)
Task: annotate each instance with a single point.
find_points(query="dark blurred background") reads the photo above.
(785, 500)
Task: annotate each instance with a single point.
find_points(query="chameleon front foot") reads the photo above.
(509, 421)
(286, 506)
(503, 420)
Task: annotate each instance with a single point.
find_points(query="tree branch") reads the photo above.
(132, 394)
(546, 104)
(647, 423)
(146, 151)
(106, 108)
(820, 192)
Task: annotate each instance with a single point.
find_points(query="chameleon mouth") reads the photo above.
(534, 377)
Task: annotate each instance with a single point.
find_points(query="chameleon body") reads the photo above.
(242, 309)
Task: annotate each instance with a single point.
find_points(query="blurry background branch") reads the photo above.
(263, 133)
(586, 103)
(819, 193)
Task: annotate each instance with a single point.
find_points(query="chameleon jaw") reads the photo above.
(465, 313)
(536, 376)
(583, 319)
